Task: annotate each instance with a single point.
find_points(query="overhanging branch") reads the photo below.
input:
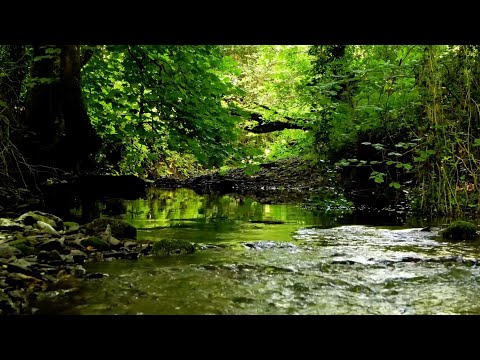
(274, 126)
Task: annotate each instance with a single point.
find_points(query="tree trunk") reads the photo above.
(80, 141)
(42, 107)
(63, 136)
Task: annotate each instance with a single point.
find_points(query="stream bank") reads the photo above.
(40, 253)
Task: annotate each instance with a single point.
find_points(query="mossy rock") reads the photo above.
(460, 230)
(7, 251)
(172, 247)
(31, 217)
(95, 242)
(120, 229)
(71, 226)
(25, 248)
(7, 224)
(22, 241)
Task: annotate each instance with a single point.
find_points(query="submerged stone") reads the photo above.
(460, 230)
(261, 245)
(96, 275)
(173, 247)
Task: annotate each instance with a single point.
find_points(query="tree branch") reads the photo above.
(86, 56)
(274, 126)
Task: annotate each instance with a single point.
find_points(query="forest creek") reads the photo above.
(239, 179)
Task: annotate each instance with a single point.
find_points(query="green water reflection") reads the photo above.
(316, 265)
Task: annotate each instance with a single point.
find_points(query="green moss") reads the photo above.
(460, 230)
(95, 242)
(26, 250)
(24, 246)
(71, 226)
(31, 217)
(172, 247)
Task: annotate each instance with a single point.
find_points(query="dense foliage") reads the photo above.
(398, 120)
(161, 109)
(408, 114)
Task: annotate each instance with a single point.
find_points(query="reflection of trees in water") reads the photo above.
(171, 205)
(185, 204)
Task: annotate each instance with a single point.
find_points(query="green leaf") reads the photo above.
(395, 185)
(251, 169)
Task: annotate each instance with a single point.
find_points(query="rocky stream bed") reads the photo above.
(40, 253)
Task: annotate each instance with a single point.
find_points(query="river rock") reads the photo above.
(96, 276)
(131, 256)
(119, 229)
(49, 256)
(172, 247)
(7, 307)
(46, 228)
(78, 271)
(261, 245)
(30, 258)
(24, 246)
(114, 242)
(10, 225)
(25, 264)
(23, 281)
(95, 242)
(78, 256)
(7, 251)
(130, 244)
(71, 226)
(460, 230)
(114, 254)
(146, 248)
(76, 244)
(31, 217)
(50, 245)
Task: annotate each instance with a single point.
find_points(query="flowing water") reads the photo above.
(255, 258)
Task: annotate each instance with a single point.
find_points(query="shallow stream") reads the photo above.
(255, 258)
